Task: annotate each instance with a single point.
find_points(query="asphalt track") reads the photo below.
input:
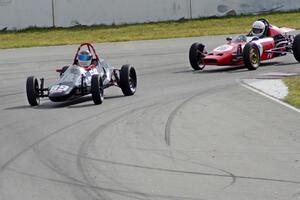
(184, 135)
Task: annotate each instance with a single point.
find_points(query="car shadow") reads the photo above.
(72, 103)
(218, 70)
(92, 103)
(285, 64)
(18, 107)
(232, 69)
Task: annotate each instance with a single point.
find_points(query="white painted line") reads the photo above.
(269, 97)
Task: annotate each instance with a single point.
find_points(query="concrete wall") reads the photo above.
(233, 7)
(19, 14)
(88, 12)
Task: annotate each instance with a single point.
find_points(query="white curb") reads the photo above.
(273, 89)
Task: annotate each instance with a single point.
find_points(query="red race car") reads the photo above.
(248, 50)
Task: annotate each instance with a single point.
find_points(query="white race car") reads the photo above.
(77, 81)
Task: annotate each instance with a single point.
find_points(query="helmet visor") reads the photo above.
(257, 30)
(84, 57)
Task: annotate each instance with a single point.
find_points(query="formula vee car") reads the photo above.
(77, 81)
(248, 50)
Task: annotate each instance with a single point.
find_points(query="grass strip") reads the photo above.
(293, 83)
(33, 37)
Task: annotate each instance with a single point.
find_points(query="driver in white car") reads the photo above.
(85, 60)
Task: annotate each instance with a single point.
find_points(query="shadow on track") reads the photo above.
(218, 70)
(18, 107)
(73, 103)
(233, 69)
(92, 104)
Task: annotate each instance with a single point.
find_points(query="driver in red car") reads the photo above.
(258, 29)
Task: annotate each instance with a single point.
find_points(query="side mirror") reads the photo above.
(229, 39)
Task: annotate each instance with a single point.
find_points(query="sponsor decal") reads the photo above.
(270, 55)
(88, 74)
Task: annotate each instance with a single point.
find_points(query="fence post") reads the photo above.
(53, 13)
(191, 14)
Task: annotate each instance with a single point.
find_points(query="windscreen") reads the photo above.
(71, 75)
(240, 38)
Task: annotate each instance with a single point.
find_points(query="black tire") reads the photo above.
(296, 48)
(32, 91)
(97, 89)
(63, 70)
(195, 56)
(128, 80)
(251, 56)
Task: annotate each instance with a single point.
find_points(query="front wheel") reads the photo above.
(128, 80)
(251, 56)
(296, 48)
(195, 56)
(32, 91)
(97, 89)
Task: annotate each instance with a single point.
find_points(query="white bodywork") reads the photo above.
(75, 73)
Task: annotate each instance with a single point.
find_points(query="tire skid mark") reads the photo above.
(82, 154)
(83, 150)
(85, 146)
(187, 172)
(2, 168)
(104, 189)
(190, 160)
(88, 118)
(181, 105)
(92, 140)
(52, 166)
(81, 161)
(151, 168)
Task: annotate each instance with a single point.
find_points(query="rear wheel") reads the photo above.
(32, 91)
(128, 80)
(97, 89)
(251, 56)
(195, 54)
(296, 47)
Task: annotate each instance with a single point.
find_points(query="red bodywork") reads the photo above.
(232, 52)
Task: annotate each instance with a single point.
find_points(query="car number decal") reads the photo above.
(59, 88)
(224, 48)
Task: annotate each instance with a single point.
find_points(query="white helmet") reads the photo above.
(258, 28)
(84, 58)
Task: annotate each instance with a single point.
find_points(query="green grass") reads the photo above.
(173, 29)
(293, 84)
